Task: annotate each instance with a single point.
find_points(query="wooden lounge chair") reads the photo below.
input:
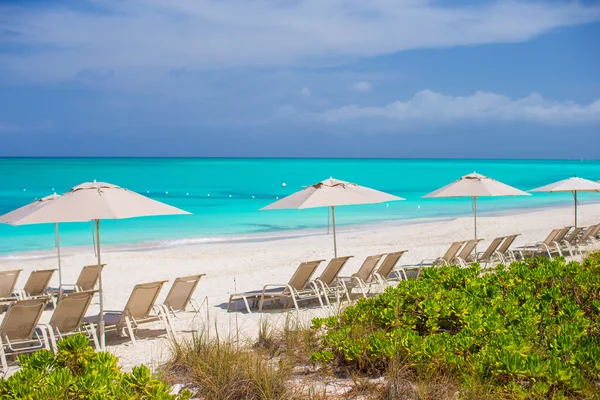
(37, 285)
(179, 299)
(18, 329)
(556, 244)
(540, 248)
(504, 250)
(364, 278)
(296, 289)
(139, 310)
(447, 258)
(68, 318)
(490, 254)
(328, 284)
(387, 273)
(466, 251)
(87, 280)
(8, 280)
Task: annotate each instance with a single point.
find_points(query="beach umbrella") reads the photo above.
(474, 186)
(331, 193)
(96, 201)
(571, 185)
(14, 218)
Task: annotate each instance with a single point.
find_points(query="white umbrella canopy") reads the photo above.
(94, 201)
(16, 216)
(476, 185)
(570, 185)
(332, 193)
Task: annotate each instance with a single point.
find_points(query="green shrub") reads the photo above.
(530, 330)
(78, 372)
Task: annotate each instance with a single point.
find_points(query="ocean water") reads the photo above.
(225, 195)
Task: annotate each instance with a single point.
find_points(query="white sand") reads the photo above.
(239, 267)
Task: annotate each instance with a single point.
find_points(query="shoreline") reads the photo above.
(273, 236)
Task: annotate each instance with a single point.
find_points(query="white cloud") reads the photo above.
(305, 91)
(362, 86)
(159, 35)
(430, 107)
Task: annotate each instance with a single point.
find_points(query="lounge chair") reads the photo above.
(447, 258)
(18, 332)
(68, 318)
(504, 250)
(8, 280)
(387, 273)
(562, 234)
(569, 242)
(37, 285)
(588, 240)
(328, 284)
(466, 251)
(87, 280)
(539, 248)
(298, 288)
(179, 299)
(490, 254)
(364, 278)
(139, 310)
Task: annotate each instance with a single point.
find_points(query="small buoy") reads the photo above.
(53, 189)
(387, 205)
(208, 195)
(284, 184)
(277, 197)
(252, 196)
(419, 207)
(166, 192)
(24, 190)
(229, 195)
(147, 191)
(187, 194)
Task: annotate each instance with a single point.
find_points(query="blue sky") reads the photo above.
(384, 78)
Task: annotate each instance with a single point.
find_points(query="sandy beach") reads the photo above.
(236, 267)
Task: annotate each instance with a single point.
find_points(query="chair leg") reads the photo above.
(130, 330)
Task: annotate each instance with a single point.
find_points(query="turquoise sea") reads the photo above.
(225, 195)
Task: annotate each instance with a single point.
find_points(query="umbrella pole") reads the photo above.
(475, 220)
(575, 200)
(57, 243)
(328, 218)
(333, 224)
(101, 313)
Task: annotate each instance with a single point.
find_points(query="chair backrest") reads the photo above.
(332, 270)
(303, 274)
(8, 280)
(468, 248)
(452, 251)
(181, 292)
(365, 272)
(142, 300)
(489, 252)
(389, 262)
(38, 282)
(88, 277)
(562, 233)
(70, 311)
(590, 232)
(572, 238)
(508, 241)
(550, 238)
(21, 319)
